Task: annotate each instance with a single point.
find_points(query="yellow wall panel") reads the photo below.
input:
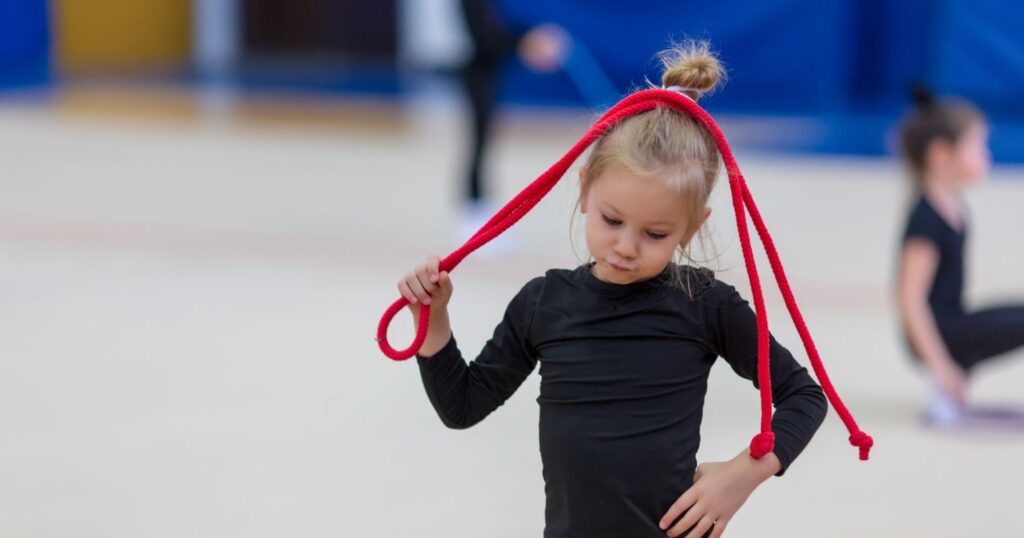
(112, 35)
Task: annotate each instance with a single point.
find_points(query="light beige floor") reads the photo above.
(187, 312)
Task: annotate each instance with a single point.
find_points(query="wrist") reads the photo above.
(438, 335)
(762, 469)
(438, 318)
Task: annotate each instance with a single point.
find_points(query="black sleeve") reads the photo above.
(464, 394)
(800, 404)
(923, 224)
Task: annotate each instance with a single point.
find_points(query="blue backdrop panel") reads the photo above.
(979, 53)
(781, 55)
(24, 42)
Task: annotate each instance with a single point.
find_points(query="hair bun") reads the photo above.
(693, 67)
(922, 96)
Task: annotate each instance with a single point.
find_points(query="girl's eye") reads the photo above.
(656, 236)
(611, 221)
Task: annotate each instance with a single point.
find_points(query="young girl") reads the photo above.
(625, 343)
(945, 145)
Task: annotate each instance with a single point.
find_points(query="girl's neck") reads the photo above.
(943, 190)
(944, 194)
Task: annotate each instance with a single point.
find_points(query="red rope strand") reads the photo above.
(743, 201)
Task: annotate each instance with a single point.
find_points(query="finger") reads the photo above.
(681, 505)
(698, 532)
(445, 280)
(434, 265)
(406, 292)
(417, 288)
(719, 528)
(689, 520)
(423, 275)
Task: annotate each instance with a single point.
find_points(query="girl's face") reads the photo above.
(971, 157)
(964, 163)
(634, 225)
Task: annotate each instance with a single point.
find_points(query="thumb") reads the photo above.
(445, 281)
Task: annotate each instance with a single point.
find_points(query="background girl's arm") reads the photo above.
(919, 261)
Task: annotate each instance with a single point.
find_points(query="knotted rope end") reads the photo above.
(762, 444)
(862, 441)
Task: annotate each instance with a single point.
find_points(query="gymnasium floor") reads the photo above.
(189, 293)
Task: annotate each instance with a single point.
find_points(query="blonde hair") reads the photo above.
(669, 145)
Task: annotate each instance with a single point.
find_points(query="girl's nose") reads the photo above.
(626, 246)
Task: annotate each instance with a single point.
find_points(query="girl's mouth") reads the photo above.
(618, 267)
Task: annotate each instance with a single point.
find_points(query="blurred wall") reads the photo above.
(122, 35)
(800, 55)
(342, 29)
(24, 43)
(980, 53)
(215, 36)
(782, 54)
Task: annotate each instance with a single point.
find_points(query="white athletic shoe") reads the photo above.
(943, 411)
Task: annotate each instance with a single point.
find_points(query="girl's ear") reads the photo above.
(583, 199)
(938, 154)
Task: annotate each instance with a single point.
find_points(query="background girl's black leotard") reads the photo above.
(946, 294)
(970, 337)
(624, 372)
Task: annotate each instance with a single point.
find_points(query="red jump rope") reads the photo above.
(742, 201)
